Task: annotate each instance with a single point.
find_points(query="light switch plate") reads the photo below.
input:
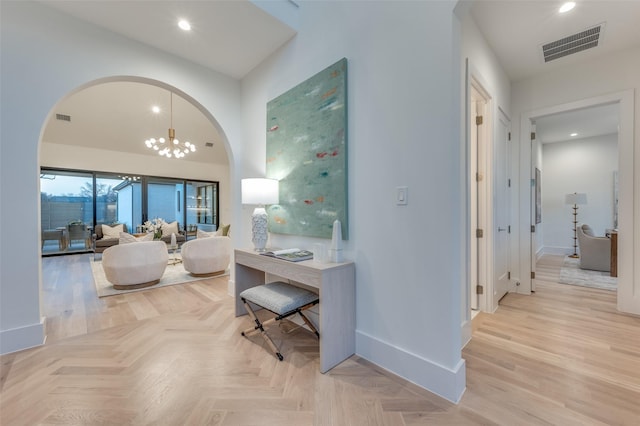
(402, 195)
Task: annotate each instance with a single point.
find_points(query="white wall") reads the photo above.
(402, 106)
(616, 76)
(584, 166)
(403, 131)
(45, 56)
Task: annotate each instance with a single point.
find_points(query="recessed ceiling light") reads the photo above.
(567, 7)
(573, 135)
(184, 25)
(155, 109)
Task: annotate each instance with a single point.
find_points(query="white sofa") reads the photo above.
(135, 265)
(595, 252)
(206, 256)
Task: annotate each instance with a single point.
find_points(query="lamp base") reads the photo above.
(259, 231)
(575, 256)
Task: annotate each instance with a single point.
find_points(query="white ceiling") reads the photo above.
(588, 122)
(516, 30)
(117, 116)
(231, 37)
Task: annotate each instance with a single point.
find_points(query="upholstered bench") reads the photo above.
(283, 300)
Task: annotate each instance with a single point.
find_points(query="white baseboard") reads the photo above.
(466, 333)
(447, 383)
(17, 339)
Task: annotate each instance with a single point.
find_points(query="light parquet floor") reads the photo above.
(174, 356)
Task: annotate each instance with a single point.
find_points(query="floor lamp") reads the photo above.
(575, 199)
(260, 192)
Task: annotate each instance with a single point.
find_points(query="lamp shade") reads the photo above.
(576, 198)
(260, 191)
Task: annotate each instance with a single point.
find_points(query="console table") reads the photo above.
(335, 284)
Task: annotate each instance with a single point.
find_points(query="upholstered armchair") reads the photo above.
(595, 252)
(135, 265)
(206, 256)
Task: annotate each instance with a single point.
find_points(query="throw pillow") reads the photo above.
(170, 228)
(146, 237)
(223, 231)
(111, 231)
(204, 234)
(125, 238)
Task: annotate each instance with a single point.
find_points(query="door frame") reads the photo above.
(480, 207)
(475, 80)
(629, 240)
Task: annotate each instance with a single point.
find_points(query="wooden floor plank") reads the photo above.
(174, 355)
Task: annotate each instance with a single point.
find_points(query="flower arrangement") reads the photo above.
(155, 226)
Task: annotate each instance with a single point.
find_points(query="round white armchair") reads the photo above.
(206, 256)
(135, 265)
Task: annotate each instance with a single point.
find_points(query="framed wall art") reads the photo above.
(307, 153)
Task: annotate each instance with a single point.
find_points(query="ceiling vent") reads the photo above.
(63, 117)
(575, 43)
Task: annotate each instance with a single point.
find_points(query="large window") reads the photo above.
(74, 201)
(66, 204)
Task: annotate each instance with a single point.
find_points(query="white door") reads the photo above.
(501, 214)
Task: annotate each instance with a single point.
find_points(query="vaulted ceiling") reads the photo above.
(232, 37)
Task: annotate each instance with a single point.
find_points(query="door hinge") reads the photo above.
(479, 177)
(533, 228)
(533, 136)
(478, 120)
(533, 275)
(508, 183)
(479, 233)
(509, 137)
(479, 289)
(509, 229)
(509, 275)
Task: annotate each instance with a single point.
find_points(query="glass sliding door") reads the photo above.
(119, 200)
(202, 207)
(66, 203)
(74, 201)
(165, 200)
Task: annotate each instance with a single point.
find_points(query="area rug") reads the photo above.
(571, 274)
(174, 274)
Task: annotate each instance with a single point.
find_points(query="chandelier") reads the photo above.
(171, 147)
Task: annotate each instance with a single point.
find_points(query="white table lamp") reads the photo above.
(260, 192)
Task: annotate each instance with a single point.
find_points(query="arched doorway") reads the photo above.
(102, 129)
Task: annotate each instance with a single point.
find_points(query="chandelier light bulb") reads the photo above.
(179, 149)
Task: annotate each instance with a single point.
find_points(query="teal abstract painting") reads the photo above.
(307, 152)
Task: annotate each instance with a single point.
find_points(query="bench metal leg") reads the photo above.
(260, 326)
